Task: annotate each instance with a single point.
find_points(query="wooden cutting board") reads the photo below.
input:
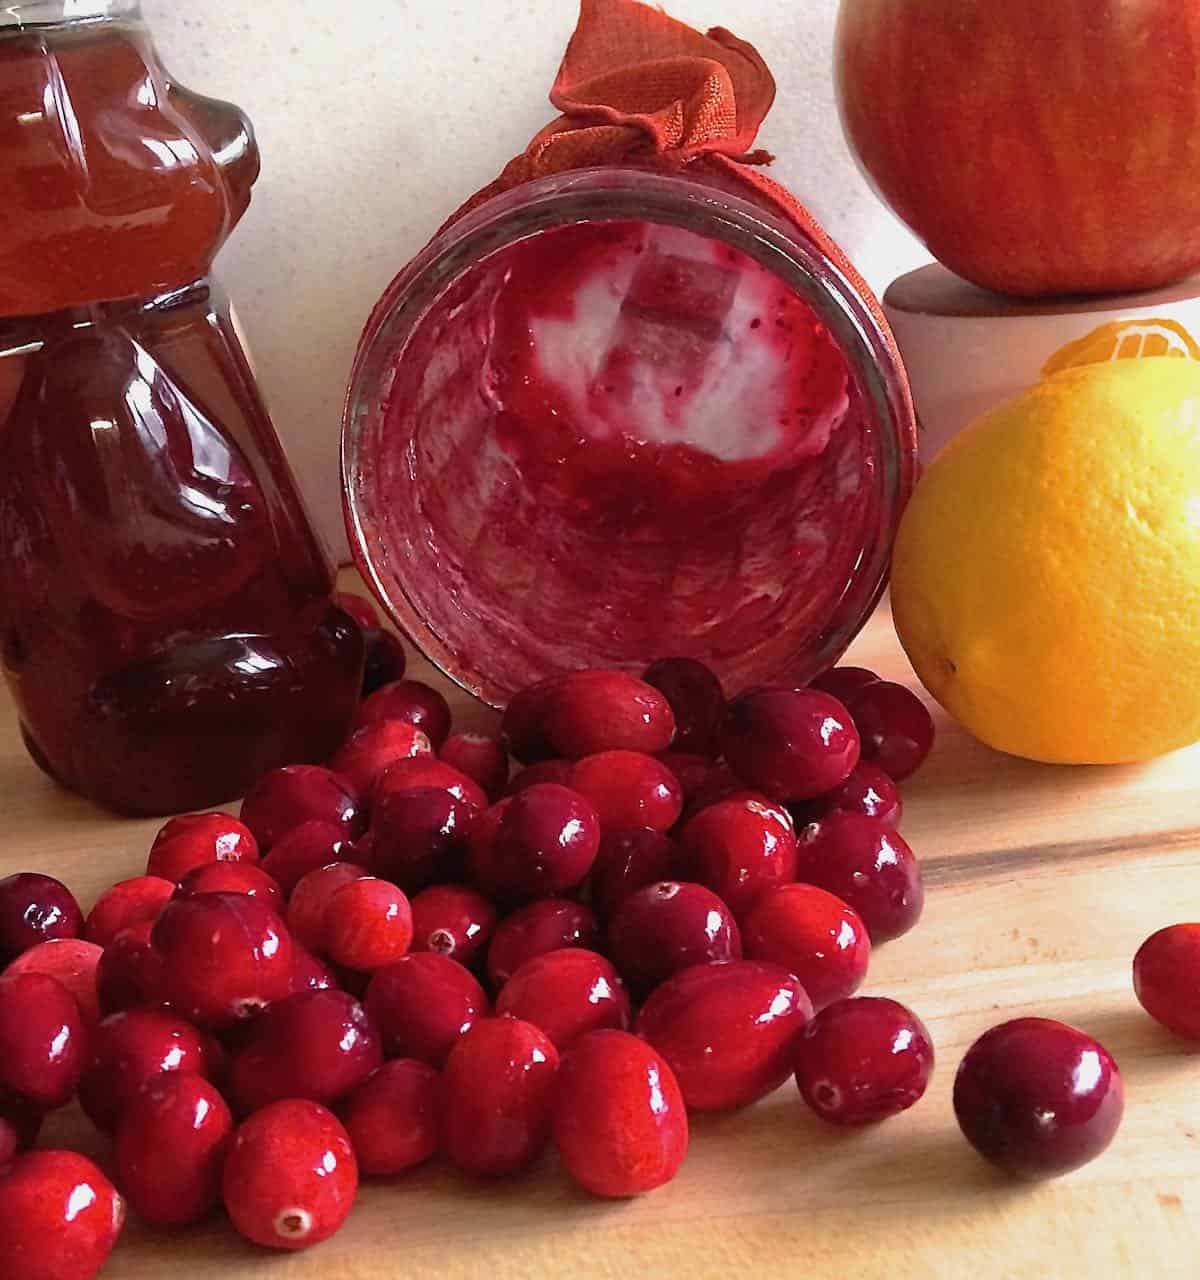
(1042, 882)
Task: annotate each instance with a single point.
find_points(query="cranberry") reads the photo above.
(453, 920)
(410, 700)
(1166, 978)
(316, 1045)
(861, 1061)
(59, 1217)
(309, 973)
(740, 847)
(34, 909)
(423, 1004)
(628, 789)
(422, 772)
(386, 660)
(197, 839)
(593, 711)
(1038, 1098)
(128, 903)
(130, 971)
(867, 791)
(284, 798)
(310, 898)
(367, 923)
(234, 877)
(290, 1178)
(132, 1047)
(558, 771)
(20, 1124)
(72, 962)
(359, 608)
(523, 726)
(370, 751)
(628, 861)
(843, 683)
(812, 934)
(697, 701)
(550, 924)
(224, 957)
(497, 1089)
(43, 1040)
(728, 1031)
(691, 771)
(536, 844)
(567, 994)
(306, 848)
(867, 864)
(720, 783)
(393, 1118)
(896, 728)
(479, 757)
(170, 1149)
(667, 927)
(421, 837)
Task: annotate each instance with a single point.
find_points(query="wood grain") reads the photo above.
(1042, 883)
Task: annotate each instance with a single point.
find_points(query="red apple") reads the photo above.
(1038, 147)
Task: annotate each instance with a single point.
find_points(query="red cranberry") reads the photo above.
(59, 1217)
(132, 1047)
(43, 1040)
(370, 751)
(35, 909)
(628, 789)
(316, 1045)
(310, 898)
(896, 728)
(697, 701)
(421, 837)
(368, 923)
(128, 903)
(558, 771)
(550, 924)
(536, 844)
(423, 772)
(385, 662)
(692, 772)
(197, 839)
(284, 798)
(523, 727)
(233, 877)
(306, 848)
(843, 683)
(618, 1119)
(1166, 978)
(479, 757)
(309, 973)
(359, 608)
(719, 784)
(728, 1031)
(170, 1150)
(497, 1089)
(72, 962)
(453, 920)
(740, 847)
(20, 1124)
(410, 700)
(812, 934)
(1038, 1098)
(130, 971)
(224, 957)
(667, 927)
(628, 861)
(867, 791)
(393, 1118)
(593, 711)
(290, 1178)
(423, 1004)
(867, 864)
(566, 993)
(861, 1061)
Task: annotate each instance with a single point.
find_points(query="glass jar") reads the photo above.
(616, 415)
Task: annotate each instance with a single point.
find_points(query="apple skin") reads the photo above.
(1037, 147)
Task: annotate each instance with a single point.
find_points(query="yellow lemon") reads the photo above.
(1046, 583)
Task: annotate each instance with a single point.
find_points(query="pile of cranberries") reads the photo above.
(667, 909)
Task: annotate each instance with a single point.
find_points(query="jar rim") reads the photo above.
(45, 13)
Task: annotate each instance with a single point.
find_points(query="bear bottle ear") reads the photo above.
(230, 138)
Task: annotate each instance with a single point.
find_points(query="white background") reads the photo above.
(378, 117)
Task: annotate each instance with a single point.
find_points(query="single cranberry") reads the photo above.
(861, 1061)
(421, 773)
(127, 903)
(1166, 978)
(386, 660)
(558, 771)
(523, 726)
(867, 864)
(536, 844)
(43, 1040)
(728, 1031)
(306, 848)
(284, 798)
(20, 1124)
(370, 751)
(197, 839)
(628, 789)
(812, 934)
(1038, 1098)
(34, 909)
(497, 1090)
(132, 1047)
(308, 972)
(720, 783)
(130, 971)
(420, 837)
(697, 701)
(550, 924)
(316, 1045)
(290, 1178)
(453, 920)
(896, 728)
(618, 1119)
(593, 711)
(739, 848)
(867, 791)
(843, 683)
(480, 757)
(234, 877)
(310, 898)
(567, 994)
(423, 1004)
(419, 704)
(670, 926)
(393, 1118)
(170, 1149)
(60, 1217)
(628, 861)
(225, 957)
(72, 962)
(367, 923)
(358, 607)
